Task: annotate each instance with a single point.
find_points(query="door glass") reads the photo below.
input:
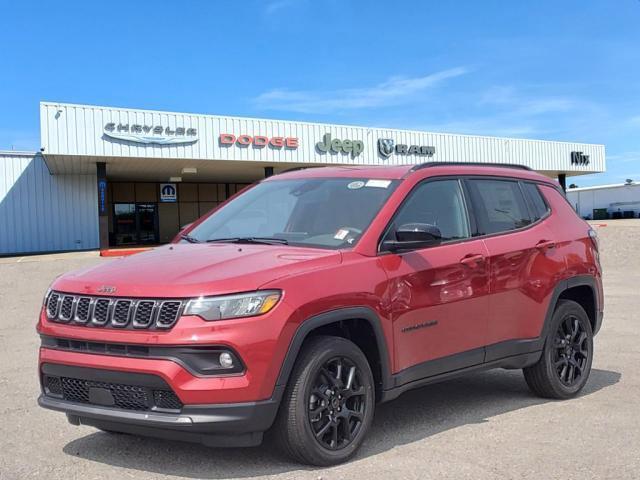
(147, 222)
(125, 223)
(499, 205)
(438, 203)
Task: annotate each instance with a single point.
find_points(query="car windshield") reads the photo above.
(316, 212)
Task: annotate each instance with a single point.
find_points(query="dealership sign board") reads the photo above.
(168, 193)
(150, 134)
(354, 147)
(579, 158)
(257, 141)
(388, 146)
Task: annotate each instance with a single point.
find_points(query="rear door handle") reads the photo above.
(472, 260)
(545, 244)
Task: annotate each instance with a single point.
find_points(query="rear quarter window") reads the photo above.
(537, 205)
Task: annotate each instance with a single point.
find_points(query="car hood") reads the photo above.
(191, 270)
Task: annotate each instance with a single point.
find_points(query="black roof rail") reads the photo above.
(420, 166)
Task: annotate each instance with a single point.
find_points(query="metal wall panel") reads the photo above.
(78, 130)
(41, 212)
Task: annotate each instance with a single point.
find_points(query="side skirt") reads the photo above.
(510, 355)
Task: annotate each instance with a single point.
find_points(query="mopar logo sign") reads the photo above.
(168, 192)
(102, 197)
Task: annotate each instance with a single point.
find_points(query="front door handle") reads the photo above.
(472, 260)
(545, 244)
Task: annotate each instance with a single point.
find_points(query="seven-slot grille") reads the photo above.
(113, 312)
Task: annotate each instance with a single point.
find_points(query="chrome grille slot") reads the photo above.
(144, 313)
(83, 309)
(101, 311)
(52, 305)
(121, 313)
(66, 308)
(168, 314)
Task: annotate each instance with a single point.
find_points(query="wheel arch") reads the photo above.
(343, 322)
(583, 290)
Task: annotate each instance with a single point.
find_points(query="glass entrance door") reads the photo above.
(135, 223)
(147, 219)
(124, 224)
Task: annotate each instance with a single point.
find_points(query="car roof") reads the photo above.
(398, 172)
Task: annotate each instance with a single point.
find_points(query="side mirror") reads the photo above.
(412, 236)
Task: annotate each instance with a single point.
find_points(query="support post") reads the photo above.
(562, 179)
(103, 213)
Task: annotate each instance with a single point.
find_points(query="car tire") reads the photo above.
(565, 363)
(328, 404)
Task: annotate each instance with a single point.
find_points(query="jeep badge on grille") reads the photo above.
(106, 289)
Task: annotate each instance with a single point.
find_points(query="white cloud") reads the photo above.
(632, 156)
(494, 127)
(273, 7)
(635, 121)
(509, 98)
(391, 92)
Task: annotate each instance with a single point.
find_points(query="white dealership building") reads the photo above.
(621, 200)
(107, 177)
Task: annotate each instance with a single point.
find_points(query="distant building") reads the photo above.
(616, 199)
(108, 177)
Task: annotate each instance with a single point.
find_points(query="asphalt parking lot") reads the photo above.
(483, 426)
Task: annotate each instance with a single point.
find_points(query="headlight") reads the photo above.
(233, 306)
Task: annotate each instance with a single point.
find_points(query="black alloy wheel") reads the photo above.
(327, 407)
(565, 361)
(571, 350)
(337, 403)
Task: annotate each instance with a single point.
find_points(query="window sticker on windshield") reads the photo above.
(355, 185)
(341, 234)
(378, 183)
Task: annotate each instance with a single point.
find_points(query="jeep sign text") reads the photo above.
(354, 147)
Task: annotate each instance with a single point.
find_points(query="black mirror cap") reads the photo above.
(418, 232)
(411, 236)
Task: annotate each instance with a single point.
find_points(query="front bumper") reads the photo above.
(221, 424)
(229, 425)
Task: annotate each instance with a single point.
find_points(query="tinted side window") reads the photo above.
(538, 206)
(499, 205)
(438, 203)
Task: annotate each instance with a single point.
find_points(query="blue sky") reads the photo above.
(566, 70)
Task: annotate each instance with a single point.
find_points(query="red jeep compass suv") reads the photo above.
(302, 301)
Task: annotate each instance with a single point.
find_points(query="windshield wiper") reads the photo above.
(189, 238)
(258, 240)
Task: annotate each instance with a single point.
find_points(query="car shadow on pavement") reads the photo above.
(416, 415)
